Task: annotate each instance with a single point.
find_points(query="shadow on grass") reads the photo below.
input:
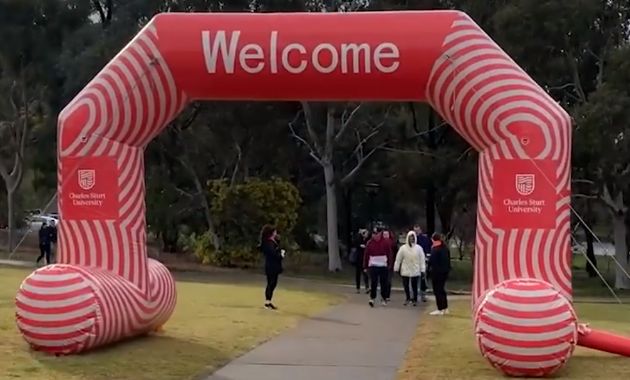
(145, 357)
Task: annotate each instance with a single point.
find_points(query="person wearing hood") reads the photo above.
(410, 263)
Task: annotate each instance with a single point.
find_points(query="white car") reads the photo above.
(35, 222)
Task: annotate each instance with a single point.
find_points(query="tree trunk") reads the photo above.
(431, 190)
(334, 261)
(430, 209)
(621, 251)
(11, 219)
(591, 264)
(216, 242)
(349, 227)
(445, 212)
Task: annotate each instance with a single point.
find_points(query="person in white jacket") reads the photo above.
(410, 263)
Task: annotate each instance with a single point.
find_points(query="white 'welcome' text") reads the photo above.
(325, 58)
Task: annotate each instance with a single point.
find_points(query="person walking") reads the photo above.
(45, 240)
(357, 260)
(391, 237)
(273, 262)
(410, 263)
(423, 241)
(377, 260)
(440, 267)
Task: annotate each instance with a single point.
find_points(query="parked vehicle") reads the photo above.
(34, 223)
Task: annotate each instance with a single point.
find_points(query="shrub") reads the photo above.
(239, 212)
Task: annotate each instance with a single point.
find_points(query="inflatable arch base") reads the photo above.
(67, 309)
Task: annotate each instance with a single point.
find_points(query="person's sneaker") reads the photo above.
(384, 303)
(424, 298)
(367, 291)
(415, 303)
(437, 312)
(270, 306)
(446, 311)
(406, 303)
(371, 303)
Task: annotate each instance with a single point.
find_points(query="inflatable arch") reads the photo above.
(105, 288)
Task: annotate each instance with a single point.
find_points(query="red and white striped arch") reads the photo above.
(105, 288)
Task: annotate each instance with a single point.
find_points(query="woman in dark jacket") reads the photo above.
(273, 261)
(440, 267)
(359, 249)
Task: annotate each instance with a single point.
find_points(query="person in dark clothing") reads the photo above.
(389, 235)
(359, 250)
(273, 261)
(45, 240)
(440, 266)
(377, 261)
(425, 243)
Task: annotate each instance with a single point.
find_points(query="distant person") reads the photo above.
(273, 262)
(423, 241)
(440, 267)
(377, 260)
(45, 240)
(357, 260)
(410, 263)
(53, 238)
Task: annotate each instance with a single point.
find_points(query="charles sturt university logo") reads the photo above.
(525, 184)
(87, 178)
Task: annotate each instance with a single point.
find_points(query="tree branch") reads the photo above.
(308, 118)
(346, 119)
(586, 181)
(239, 155)
(348, 177)
(296, 136)
(584, 196)
(407, 151)
(184, 192)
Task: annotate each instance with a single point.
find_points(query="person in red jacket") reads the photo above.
(377, 261)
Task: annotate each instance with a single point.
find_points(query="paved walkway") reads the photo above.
(350, 341)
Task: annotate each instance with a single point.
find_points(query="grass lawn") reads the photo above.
(212, 324)
(444, 348)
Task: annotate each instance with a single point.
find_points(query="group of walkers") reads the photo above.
(378, 256)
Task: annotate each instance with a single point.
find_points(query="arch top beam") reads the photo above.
(309, 56)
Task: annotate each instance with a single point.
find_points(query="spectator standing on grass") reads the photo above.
(377, 261)
(52, 230)
(410, 263)
(45, 240)
(440, 267)
(273, 262)
(356, 258)
(423, 241)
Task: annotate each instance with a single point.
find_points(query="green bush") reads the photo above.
(239, 212)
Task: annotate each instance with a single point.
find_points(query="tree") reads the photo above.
(35, 29)
(333, 122)
(602, 121)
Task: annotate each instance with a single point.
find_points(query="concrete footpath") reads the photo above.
(350, 341)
